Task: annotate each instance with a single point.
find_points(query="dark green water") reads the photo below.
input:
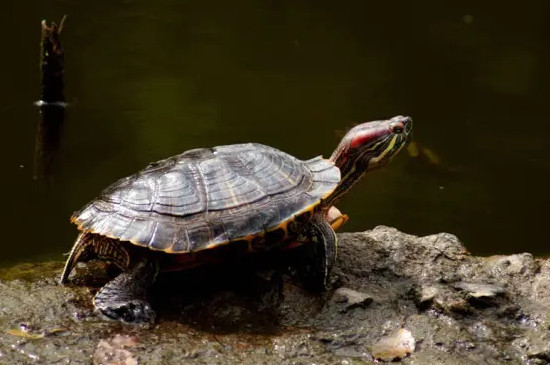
(149, 79)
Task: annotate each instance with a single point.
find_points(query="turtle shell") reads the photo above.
(207, 197)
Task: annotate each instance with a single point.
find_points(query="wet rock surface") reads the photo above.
(444, 305)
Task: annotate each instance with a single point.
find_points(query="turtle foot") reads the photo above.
(123, 298)
(135, 311)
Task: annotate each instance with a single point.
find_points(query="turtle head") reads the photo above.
(372, 144)
(368, 146)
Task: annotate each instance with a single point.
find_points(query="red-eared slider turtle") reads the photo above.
(247, 197)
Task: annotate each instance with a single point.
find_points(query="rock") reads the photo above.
(352, 298)
(480, 294)
(458, 308)
(395, 346)
(536, 348)
(427, 294)
(457, 305)
(476, 290)
(520, 264)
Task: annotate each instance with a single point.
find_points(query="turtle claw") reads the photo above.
(135, 311)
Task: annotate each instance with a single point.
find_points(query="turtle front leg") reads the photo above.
(319, 255)
(124, 297)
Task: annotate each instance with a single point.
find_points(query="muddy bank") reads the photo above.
(426, 293)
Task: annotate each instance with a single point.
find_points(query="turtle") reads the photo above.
(210, 203)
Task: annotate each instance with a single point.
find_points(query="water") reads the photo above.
(147, 80)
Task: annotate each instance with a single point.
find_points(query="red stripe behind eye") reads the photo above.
(367, 136)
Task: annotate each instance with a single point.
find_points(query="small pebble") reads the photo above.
(428, 293)
(113, 352)
(395, 346)
(124, 341)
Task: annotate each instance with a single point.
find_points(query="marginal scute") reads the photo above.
(204, 198)
(241, 225)
(180, 242)
(198, 233)
(165, 236)
(218, 231)
(141, 231)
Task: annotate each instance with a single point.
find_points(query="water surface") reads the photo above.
(147, 80)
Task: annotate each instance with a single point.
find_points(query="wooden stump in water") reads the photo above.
(52, 99)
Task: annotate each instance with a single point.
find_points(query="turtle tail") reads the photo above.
(90, 246)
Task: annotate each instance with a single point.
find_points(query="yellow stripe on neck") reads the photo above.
(388, 149)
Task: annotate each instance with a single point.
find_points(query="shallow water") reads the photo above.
(146, 80)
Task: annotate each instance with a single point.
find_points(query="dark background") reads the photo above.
(149, 79)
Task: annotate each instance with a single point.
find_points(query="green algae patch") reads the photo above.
(31, 271)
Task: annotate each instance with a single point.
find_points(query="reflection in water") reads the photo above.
(52, 100)
(48, 136)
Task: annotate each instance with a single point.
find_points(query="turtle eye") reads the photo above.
(397, 128)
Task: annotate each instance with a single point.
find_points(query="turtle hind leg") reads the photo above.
(124, 297)
(89, 246)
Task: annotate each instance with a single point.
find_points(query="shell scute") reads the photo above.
(198, 234)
